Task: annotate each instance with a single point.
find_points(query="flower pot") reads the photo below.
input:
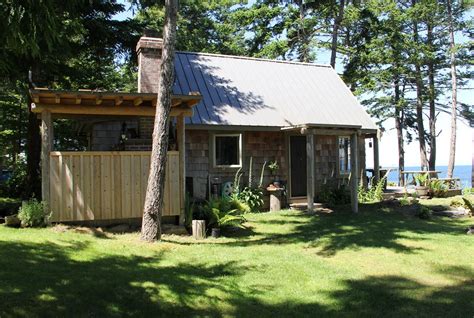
(422, 191)
(216, 232)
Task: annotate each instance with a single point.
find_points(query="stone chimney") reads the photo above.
(149, 58)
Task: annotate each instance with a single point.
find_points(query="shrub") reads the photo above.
(424, 213)
(32, 214)
(252, 197)
(438, 188)
(335, 196)
(9, 206)
(222, 212)
(17, 183)
(421, 179)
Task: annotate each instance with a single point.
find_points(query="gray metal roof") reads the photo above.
(258, 92)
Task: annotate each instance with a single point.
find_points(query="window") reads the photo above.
(344, 155)
(228, 150)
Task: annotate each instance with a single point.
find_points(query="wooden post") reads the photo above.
(376, 158)
(46, 148)
(354, 172)
(310, 170)
(199, 229)
(180, 125)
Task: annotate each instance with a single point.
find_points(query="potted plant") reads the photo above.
(273, 166)
(222, 216)
(422, 188)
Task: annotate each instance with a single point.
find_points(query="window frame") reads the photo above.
(348, 159)
(214, 159)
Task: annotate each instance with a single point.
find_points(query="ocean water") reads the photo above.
(462, 172)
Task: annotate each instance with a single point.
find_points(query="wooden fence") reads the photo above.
(107, 185)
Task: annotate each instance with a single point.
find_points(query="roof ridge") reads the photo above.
(241, 57)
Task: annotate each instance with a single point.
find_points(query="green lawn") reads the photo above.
(376, 263)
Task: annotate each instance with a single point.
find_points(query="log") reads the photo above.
(199, 229)
(275, 200)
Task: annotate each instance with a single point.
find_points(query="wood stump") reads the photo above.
(199, 229)
(275, 199)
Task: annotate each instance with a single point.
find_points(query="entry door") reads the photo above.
(298, 165)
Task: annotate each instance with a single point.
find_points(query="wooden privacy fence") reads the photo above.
(107, 185)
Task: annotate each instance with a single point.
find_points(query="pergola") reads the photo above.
(51, 104)
(355, 132)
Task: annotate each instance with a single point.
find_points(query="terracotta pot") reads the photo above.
(422, 191)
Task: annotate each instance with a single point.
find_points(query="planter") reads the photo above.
(422, 191)
(216, 232)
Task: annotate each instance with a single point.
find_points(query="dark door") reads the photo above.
(298, 165)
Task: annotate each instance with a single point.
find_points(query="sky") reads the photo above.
(388, 143)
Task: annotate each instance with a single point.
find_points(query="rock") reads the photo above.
(12, 221)
(470, 230)
(452, 213)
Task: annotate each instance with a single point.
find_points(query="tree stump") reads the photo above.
(275, 199)
(199, 229)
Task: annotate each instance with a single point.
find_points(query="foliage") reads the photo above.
(407, 200)
(421, 179)
(467, 191)
(438, 188)
(32, 214)
(222, 212)
(373, 194)
(273, 166)
(189, 208)
(335, 196)
(252, 197)
(17, 183)
(9, 206)
(424, 212)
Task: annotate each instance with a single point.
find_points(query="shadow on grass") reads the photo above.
(50, 280)
(374, 226)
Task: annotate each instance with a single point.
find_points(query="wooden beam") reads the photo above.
(108, 110)
(78, 100)
(354, 172)
(328, 132)
(180, 124)
(46, 148)
(137, 101)
(119, 101)
(310, 170)
(57, 99)
(376, 159)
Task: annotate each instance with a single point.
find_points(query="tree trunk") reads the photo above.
(335, 30)
(151, 223)
(432, 101)
(419, 101)
(399, 128)
(452, 146)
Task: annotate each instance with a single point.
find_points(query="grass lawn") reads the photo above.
(377, 263)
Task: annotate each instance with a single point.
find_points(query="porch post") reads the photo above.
(376, 158)
(354, 172)
(46, 147)
(182, 165)
(310, 169)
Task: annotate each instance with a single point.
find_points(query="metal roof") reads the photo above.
(258, 92)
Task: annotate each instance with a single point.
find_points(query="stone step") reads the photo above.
(304, 206)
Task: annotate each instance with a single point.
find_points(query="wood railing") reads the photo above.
(107, 185)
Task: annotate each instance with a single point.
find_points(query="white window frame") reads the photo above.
(349, 154)
(214, 150)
